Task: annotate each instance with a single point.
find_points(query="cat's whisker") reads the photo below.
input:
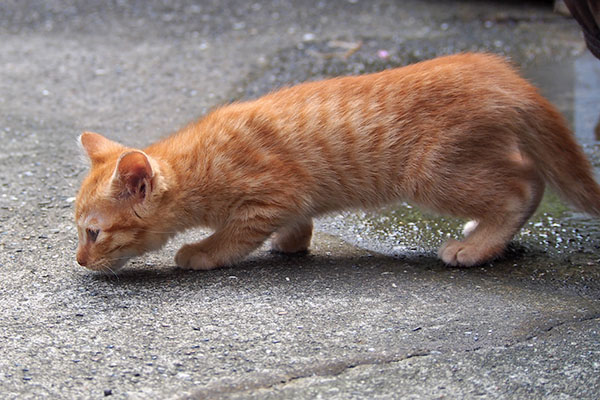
(118, 258)
(106, 266)
(118, 248)
(159, 232)
(113, 272)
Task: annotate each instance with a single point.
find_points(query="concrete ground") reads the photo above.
(370, 312)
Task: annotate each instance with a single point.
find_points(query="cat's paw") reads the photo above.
(279, 246)
(294, 238)
(191, 257)
(460, 254)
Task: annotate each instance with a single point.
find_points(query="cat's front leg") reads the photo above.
(194, 256)
(293, 237)
(226, 246)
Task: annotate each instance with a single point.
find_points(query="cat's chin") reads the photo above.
(111, 269)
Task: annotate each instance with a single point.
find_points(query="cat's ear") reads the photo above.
(97, 147)
(133, 176)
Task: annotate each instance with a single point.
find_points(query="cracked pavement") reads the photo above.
(370, 312)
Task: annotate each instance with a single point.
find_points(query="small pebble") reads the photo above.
(383, 54)
(239, 25)
(307, 37)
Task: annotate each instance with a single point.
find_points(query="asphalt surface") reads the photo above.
(370, 312)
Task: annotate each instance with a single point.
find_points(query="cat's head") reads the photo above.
(117, 207)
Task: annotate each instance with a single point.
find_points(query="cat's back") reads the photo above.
(475, 80)
(383, 110)
(444, 88)
(456, 73)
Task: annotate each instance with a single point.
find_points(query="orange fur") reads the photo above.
(462, 135)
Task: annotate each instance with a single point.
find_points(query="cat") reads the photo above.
(462, 135)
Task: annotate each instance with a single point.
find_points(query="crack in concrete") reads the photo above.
(548, 329)
(265, 382)
(326, 369)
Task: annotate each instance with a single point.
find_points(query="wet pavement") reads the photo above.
(370, 312)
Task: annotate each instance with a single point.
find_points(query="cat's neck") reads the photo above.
(193, 185)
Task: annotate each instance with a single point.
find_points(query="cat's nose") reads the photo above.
(81, 259)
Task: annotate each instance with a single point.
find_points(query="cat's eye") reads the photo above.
(92, 234)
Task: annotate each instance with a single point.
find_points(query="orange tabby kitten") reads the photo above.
(462, 135)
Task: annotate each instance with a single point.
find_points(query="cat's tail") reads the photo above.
(560, 159)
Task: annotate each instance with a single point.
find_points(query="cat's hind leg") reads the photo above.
(469, 227)
(293, 238)
(488, 236)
